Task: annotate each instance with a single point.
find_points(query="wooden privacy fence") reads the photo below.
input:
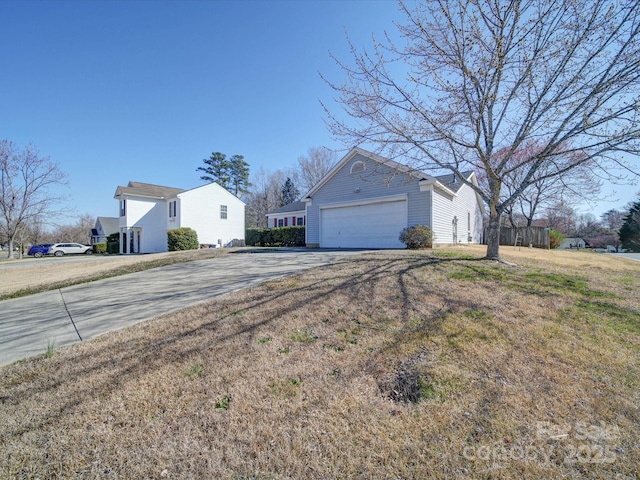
(525, 236)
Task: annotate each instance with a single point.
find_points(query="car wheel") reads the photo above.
(37, 254)
(89, 252)
(58, 253)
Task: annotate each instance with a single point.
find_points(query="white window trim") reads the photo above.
(355, 164)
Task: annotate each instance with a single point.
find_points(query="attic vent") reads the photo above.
(358, 167)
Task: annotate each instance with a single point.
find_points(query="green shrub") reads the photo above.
(100, 247)
(182, 239)
(113, 247)
(418, 236)
(555, 238)
(276, 237)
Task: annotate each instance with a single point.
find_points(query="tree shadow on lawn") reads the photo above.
(103, 365)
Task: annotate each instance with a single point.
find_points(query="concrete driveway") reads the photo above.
(78, 313)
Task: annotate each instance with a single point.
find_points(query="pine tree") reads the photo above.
(239, 175)
(290, 192)
(630, 230)
(217, 170)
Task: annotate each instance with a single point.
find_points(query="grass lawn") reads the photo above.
(388, 365)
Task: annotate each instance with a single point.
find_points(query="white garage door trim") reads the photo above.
(371, 231)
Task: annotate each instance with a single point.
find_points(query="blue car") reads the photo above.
(39, 249)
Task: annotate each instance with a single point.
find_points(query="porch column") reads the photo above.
(121, 241)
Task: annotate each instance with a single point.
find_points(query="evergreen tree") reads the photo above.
(217, 169)
(239, 175)
(290, 192)
(630, 230)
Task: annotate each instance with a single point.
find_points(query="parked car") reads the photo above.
(39, 249)
(60, 249)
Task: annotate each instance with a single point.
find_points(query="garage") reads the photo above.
(373, 223)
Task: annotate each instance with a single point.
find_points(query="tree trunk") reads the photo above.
(493, 236)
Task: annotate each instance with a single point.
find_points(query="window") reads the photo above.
(358, 167)
(300, 221)
(123, 207)
(280, 222)
(223, 212)
(173, 208)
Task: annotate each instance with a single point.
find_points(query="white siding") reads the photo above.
(290, 216)
(199, 209)
(463, 206)
(148, 214)
(443, 214)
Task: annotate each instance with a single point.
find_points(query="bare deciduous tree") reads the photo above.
(478, 77)
(26, 179)
(314, 166)
(577, 185)
(265, 195)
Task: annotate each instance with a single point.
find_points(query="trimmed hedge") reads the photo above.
(275, 237)
(184, 238)
(100, 247)
(113, 247)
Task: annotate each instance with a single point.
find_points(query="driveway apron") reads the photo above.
(72, 314)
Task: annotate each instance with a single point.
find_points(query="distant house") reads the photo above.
(148, 211)
(573, 243)
(366, 200)
(104, 227)
(290, 215)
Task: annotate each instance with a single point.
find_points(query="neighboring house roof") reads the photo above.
(109, 224)
(292, 207)
(147, 190)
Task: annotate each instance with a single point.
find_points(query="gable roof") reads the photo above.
(109, 224)
(443, 182)
(292, 207)
(147, 190)
(452, 182)
(376, 158)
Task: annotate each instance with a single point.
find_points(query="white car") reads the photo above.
(60, 249)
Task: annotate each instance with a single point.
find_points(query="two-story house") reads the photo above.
(148, 212)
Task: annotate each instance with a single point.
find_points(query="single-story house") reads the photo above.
(365, 201)
(104, 227)
(291, 215)
(573, 243)
(148, 212)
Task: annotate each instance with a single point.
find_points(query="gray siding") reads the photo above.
(376, 181)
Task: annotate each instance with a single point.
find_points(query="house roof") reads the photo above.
(443, 182)
(109, 224)
(147, 190)
(292, 207)
(452, 182)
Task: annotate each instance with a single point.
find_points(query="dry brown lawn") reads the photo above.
(389, 365)
(29, 275)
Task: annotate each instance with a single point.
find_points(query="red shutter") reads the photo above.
(275, 222)
(285, 221)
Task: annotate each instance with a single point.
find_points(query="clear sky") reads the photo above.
(145, 90)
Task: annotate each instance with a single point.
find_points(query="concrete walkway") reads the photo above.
(81, 312)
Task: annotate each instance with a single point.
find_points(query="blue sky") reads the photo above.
(145, 90)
